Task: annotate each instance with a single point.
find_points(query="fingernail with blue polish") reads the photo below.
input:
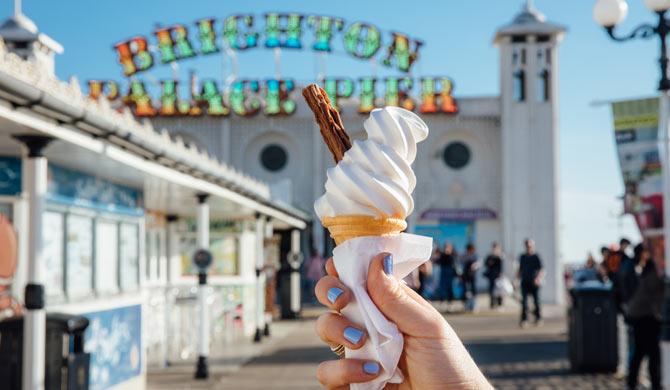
(353, 335)
(388, 264)
(334, 293)
(371, 368)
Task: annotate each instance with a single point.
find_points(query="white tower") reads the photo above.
(22, 37)
(529, 121)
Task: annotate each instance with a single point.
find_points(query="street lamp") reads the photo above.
(609, 13)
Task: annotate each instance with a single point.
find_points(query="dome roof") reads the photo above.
(19, 28)
(530, 21)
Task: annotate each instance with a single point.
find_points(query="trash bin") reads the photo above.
(592, 328)
(67, 365)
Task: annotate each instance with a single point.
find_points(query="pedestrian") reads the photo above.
(626, 279)
(316, 269)
(530, 275)
(447, 262)
(433, 357)
(588, 273)
(493, 271)
(424, 272)
(643, 312)
(470, 266)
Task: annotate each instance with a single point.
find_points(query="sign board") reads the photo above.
(245, 97)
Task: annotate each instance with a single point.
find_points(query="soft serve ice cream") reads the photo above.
(368, 196)
(374, 178)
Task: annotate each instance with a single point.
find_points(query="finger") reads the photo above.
(330, 268)
(337, 373)
(398, 305)
(335, 329)
(332, 293)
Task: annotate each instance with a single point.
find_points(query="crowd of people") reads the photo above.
(450, 277)
(637, 286)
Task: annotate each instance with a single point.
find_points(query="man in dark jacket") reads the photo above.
(530, 275)
(643, 312)
(493, 271)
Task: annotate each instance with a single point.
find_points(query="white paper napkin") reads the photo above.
(385, 342)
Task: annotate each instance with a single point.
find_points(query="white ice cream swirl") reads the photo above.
(374, 177)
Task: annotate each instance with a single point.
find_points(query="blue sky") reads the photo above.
(458, 36)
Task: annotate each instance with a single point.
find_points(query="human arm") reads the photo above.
(433, 355)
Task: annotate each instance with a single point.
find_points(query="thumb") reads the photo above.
(399, 303)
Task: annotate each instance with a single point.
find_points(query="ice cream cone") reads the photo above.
(344, 227)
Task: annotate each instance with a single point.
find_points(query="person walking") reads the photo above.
(470, 266)
(493, 271)
(643, 312)
(530, 275)
(447, 262)
(316, 269)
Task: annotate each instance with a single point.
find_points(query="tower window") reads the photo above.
(519, 86)
(523, 56)
(518, 38)
(543, 86)
(548, 55)
(542, 38)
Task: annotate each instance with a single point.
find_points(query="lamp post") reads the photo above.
(609, 13)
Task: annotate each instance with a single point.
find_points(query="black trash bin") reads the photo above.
(67, 365)
(592, 328)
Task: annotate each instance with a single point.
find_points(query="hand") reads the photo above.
(433, 356)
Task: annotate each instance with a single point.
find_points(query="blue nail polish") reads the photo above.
(334, 293)
(353, 335)
(388, 264)
(371, 368)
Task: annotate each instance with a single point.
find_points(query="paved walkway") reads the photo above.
(512, 358)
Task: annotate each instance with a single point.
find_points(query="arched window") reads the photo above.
(519, 86)
(543, 84)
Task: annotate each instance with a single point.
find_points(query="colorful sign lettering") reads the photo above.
(280, 30)
(324, 29)
(274, 97)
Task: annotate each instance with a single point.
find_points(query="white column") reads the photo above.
(260, 278)
(269, 231)
(34, 325)
(172, 254)
(295, 258)
(202, 371)
(664, 154)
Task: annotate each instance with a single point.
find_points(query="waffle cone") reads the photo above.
(344, 227)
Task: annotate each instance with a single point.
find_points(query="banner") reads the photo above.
(636, 134)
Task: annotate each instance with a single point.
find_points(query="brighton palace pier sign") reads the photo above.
(275, 96)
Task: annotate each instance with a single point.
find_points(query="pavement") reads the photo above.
(512, 358)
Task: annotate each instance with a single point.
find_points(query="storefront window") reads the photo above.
(225, 251)
(106, 257)
(129, 251)
(79, 255)
(53, 237)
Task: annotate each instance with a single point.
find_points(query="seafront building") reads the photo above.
(487, 172)
(123, 197)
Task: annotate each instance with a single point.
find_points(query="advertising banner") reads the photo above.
(636, 130)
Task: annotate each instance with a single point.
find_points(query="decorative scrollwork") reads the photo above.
(644, 31)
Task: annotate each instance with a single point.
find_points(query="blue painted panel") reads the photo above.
(114, 339)
(10, 176)
(74, 188)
